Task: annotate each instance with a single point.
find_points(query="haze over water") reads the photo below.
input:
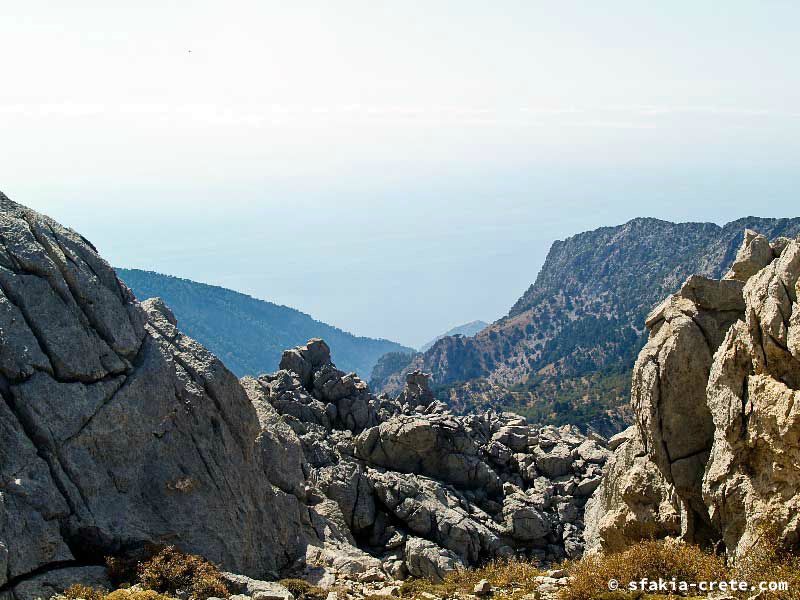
(394, 169)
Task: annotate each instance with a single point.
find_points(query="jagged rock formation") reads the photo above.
(717, 439)
(423, 490)
(564, 353)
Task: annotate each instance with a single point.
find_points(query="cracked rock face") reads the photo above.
(717, 441)
(752, 478)
(668, 392)
(118, 430)
(633, 502)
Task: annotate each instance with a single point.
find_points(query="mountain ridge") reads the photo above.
(467, 330)
(564, 352)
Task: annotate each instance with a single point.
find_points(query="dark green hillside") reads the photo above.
(248, 334)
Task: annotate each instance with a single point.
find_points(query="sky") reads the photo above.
(392, 168)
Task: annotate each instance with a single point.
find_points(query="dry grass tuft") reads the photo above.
(171, 570)
(302, 590)
(771, 560)
(84, 592)
(649, 559)
(512, 578)
(133, 594)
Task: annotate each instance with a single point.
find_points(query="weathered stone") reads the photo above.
(555, 461)
(754, 254)
(256, 589)
(751, 480)
(632, 503)
(482, 588)
(427, 560)
(437, 446)
(56, 581)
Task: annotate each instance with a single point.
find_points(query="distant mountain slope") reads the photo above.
(565, 351)
(248, 334)
(467, 330)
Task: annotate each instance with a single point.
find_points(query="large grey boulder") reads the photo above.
(437, 445)
(427, 560)
(633, 502)
(266, 590)
(58, 580)
(525, 518)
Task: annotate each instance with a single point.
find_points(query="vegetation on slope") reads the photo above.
(247, 334)
(567, 344)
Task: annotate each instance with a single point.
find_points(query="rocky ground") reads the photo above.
(422, 491)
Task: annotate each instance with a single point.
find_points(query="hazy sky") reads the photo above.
(393, 168)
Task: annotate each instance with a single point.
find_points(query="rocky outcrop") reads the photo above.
(751, 481)
(717, 440)
(120, 431)
(669, 381)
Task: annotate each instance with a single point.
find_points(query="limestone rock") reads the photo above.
(437, 446)
(431, 510)
(755, 254)
(426, 559)
(417, 391)
(256, 589)
(526, 518)
(57, 580)
(633, 502)
(669, 380)
(715, 452)
(751, 480)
